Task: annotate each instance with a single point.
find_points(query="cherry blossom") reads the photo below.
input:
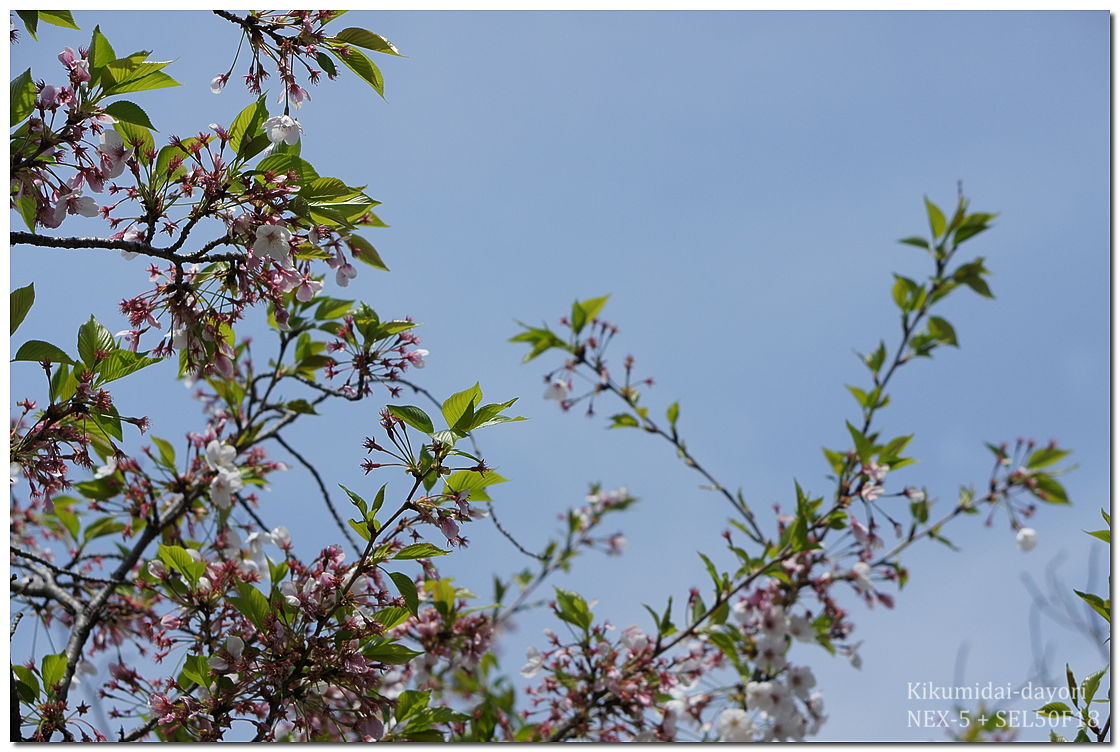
(274, 241)
(734, 725)
(283, 128)
(113, 152)
(557, 390)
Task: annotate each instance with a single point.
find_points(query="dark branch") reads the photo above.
(132, 246)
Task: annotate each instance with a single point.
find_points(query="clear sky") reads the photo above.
(736, 181)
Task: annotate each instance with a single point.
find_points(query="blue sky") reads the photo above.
(736, 181)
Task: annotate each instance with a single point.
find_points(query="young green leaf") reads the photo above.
(367, 39)
(22, 97)
(936, 220)
(130, 113)
(356, 61)
(38, 351)
(412, 416)
(19, 303)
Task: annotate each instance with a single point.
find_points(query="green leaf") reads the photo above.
(61, 18)
(301, 406)
(391, 617)
(92, 339)
(128, 112)
(22, 97)
(357, 501)
(361, 528)
(1048, 489)
(102, 527)
(916, 241)
(572, 608)
(1091, 684)
(367, 39)
(419, 551)
(247, 125)
(166, 452)
(177, 558)
(252, 603)
(586, 311)
(121, 363)
(100, 53)
(672, 413)
(364, 67)
(27, 208)
(473, 482)
(936, 219)
(407, 587)
(156, 80)
(459, 407)
(624, 420)
(36, 350)
(1045, 456)
(412, 416)
(864, 447)
(52, 669)
(19, 303)
(378, 500)
(942, 330)
(196, 668)
(876, 359)
(30, 19)
(320, 189)
(489, 415)
(1055, 709)
(388, 652)
(364, 251)
(326, 64)
(282, 164)
(28, 687)
(1098, 604)
(907, 293)
(137, 137)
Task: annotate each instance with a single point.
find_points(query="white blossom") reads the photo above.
(220, 455)
(862, 572)
(273, 241)
(107, 469)
(281, 536)
(634, 639)
(533, 664)
(557, 390)
(1027, 538)
(227, 481)
(735, 725)
(801, 628)
(801, 680)
(283, 128)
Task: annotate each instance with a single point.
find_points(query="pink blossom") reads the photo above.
(307, 289)
(114, 155)
(344, 274)
(78, 66)
(448, 526)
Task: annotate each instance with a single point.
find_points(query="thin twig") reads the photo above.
(322, 490)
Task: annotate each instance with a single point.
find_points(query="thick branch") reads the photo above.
(132, 246)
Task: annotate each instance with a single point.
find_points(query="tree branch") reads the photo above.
(132, 246)
(322, 490)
